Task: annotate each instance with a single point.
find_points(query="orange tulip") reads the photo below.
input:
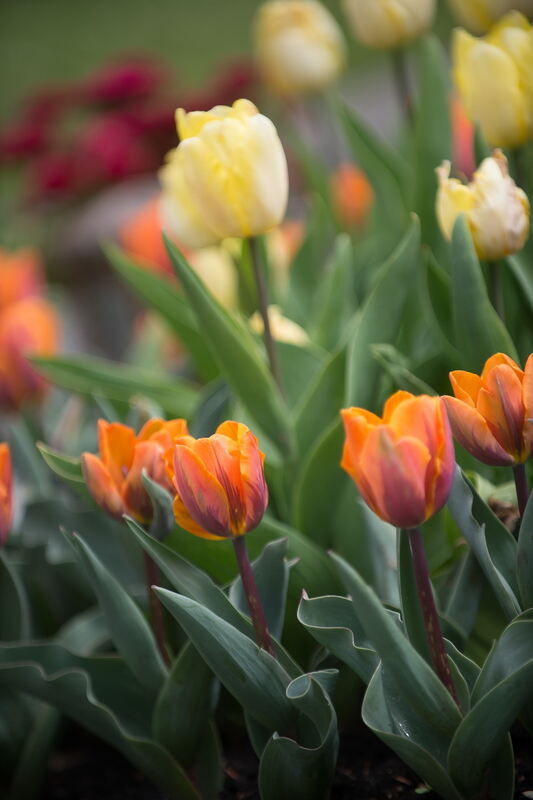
(352, 196)
(402, 463)
(114, 478)
(142, 236)
(220, 483)
(30, 326)
(6, 490)
(491, 414)
(20, 276)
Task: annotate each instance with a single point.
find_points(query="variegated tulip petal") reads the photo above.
(472, 432)
(101, 485)
(201, 493)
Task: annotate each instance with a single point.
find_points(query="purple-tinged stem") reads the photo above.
(252, 595)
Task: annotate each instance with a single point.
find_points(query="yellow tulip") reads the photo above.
(494, 75)
(479, 15)
(497, 211)
(283, 329)
(388, 23)
(300, 47)
(227, 177)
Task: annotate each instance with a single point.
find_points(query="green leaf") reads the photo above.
(299, 366)
(524, 556)
(464, 595)
(334, 297)
(290, 770)
(32, 763)
(271, 572)
(88, 375)
(433, 139)
(236, 352)
(521, 271)
(15, 615)
(410, 602)
(129, 630)
(250, 674)
(478, 330)
(396, 366)
(164, 297)
(493, 560)
(67, 467)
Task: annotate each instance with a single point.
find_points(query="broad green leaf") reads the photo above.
(299, 366)
(26, 459)
(237, 354)
(294, 770)
(464, 595)
(67, 467)
(522, 273)
(410, 602)
(271, 571)
(524, 556)
(88, 375)
(433, 139)
(164, 296)
(492, 560)
(15, 614)
(129, 630)
(396, 366)
(334, 296)
(478, 330)
(250, 674)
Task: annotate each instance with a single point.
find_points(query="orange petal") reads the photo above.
(527, 398)
(6, 492)
(472, 432)
(497, 360)
(254, 486)
(116, 443)
(358, 422)
(185, 521)
(201, 493)
(500, 403)
(101, 486)
(393, 402)
(147, 456)
(465, 386)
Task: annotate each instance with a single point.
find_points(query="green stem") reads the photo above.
(252, 595)
(496, 289)
(157, 619)
(522, 489)
(262, 300)
(439, 658)
(401, 83)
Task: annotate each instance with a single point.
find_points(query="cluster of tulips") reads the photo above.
(385, 587)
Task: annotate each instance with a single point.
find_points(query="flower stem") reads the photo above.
(522, 489)
(429, 612)
(496, 289)
(157, 619)
(401, 82)
(262, 299)
(252, 595)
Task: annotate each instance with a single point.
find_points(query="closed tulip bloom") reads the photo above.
(300, 47)
(479, 15)
(389, 23)
(352, 196)
(20, 275)
(494, 76)
(402, 463)
(227, 177)
(6, 492)
(220, 483)
(114, 477)
(492, 414)
(496, 210)
(29, 327)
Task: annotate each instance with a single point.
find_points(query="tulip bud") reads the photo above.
(6, 491)
(492, 414)
(28, 327)
(478, 16)
(227, 177)
(495, 79)
(220, 483)
(403, 463)
(282, 328)
(114, 477)
(496, 210)
(352, 196)
(300, 47)
(388, 23)
(20, 275)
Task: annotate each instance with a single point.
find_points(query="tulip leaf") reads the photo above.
(89, 375)
(410, 603)
(464, 595)
(32, 762)
(250, 674)
(433, 139)
(396, 366)
(504, 685)
(290, 770)
(163, 295)
(102, 695)
(493, 552)
(478, 330)
(67, 467)
(524, 556)
(15, 615)
(299, 364)
(236, 352)
(522, 275)
(271, 571)
(334, 297)
(128, 628)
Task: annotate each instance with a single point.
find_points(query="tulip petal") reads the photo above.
(357, 424)
(497, 360)
(116, 443)
(101, 486)
(466, 386)
(185, 521)
(6, 490)
(500, 403)
(527, 396)
(147, 456)
(201, 493)
(393, 401)
(472, 432)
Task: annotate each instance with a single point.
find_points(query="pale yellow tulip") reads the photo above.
(388, 23)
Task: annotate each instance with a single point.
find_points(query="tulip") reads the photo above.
(462, 139)
(491, 414)
(220, 483)
(496, 210)
(352, 196)
(226, 178)
(495, 79)
(29, 327)
(402, 463)
(283, 329)
(6, 491)
(114, 477)
(478, 16)
(389, 23)
(20, 275)
(300, 47)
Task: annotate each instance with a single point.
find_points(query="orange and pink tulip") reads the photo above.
(6, 492)
(21, 275)
(491, 414)
(220, 483)
(352, 196)
(114, 477)
(402, 463)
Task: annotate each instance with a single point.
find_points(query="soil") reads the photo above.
(85, 768)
